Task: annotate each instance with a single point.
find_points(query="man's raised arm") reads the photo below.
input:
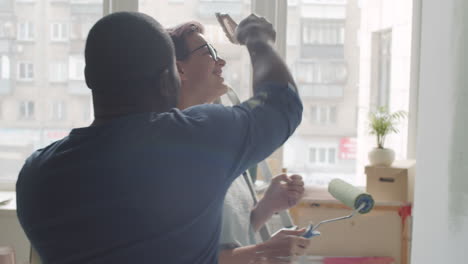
(258, 36)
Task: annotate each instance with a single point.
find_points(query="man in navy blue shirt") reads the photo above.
(145, 182)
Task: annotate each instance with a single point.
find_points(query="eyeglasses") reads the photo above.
(211, 50)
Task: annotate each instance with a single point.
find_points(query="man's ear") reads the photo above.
(169, 83)
(181, 70)
(169, 87)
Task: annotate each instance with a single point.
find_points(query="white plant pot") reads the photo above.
(381, 157)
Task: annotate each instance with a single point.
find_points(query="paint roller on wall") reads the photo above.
(360, 201)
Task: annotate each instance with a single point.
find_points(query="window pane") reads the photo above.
(331, 156)
(34, 86)
(323, 115)
(322, 155)
(345, 52)
(332, 115)
(314, 114)
(312, 155)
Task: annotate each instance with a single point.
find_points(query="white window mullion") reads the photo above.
(274, 11)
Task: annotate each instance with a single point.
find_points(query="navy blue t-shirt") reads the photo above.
(148, 188)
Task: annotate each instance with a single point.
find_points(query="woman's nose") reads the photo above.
(221, 62)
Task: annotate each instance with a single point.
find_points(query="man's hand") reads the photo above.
(253, 28)
(282, 247)
(283, 193)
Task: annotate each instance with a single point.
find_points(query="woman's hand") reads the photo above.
(283, 247)
(283, 193)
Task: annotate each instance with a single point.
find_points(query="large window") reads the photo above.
(343, 54)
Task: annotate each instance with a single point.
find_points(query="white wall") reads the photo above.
(440, 231)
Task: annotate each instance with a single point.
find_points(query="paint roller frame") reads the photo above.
(362, 203)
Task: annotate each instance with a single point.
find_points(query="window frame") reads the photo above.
(27, 33)
(29, 110)
(58, 110)
(324, 111)
(27, 71)
(62, 27)
(324, 149)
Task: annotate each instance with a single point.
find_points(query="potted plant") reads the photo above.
(381, 123)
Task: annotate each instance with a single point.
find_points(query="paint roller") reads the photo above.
(361, 202)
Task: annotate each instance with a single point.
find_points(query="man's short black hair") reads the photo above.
(126, 50)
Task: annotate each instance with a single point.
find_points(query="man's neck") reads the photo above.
(103, 117)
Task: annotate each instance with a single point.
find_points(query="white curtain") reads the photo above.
(440, 229)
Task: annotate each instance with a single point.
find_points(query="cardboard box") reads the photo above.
(394, 183)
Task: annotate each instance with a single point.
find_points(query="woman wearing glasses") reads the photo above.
(200, 70)
(198, 65)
